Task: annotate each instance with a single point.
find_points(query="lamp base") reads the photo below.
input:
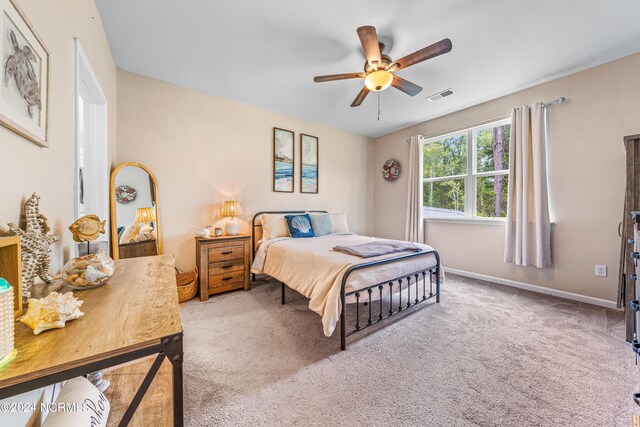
(232, 228)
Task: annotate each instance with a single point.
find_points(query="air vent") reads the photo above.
(440, 95)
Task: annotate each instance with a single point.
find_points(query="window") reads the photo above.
(465, 174)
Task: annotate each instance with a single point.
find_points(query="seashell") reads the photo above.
(92, 274)
(301, 223)
(87, 228)
(203, 232)
(51, 312)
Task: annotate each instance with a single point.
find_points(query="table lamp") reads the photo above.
(230, 209)
(6, 319)
(146, 216)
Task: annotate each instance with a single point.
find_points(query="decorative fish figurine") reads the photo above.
(87, 228)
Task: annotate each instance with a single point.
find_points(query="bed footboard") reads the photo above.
(378, 314)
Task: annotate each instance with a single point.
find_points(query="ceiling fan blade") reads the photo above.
(443, 46)
(361, 96)
(406, 86)
(369, 40)
(332, 77)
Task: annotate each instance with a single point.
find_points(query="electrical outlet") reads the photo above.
(601, 270)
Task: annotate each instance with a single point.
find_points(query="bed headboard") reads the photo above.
(255, 226)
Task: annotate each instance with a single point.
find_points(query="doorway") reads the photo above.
(91, 150)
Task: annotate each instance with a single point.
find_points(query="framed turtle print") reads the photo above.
(308, 164)
(283, 156)
(24, 88)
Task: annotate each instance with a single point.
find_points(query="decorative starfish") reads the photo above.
(36, 245)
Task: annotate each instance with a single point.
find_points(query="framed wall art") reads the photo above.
(24, 89)
(283, 160)
(308, 164)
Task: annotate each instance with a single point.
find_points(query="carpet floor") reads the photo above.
(487, 355)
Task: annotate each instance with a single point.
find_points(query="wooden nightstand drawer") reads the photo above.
(226, 279)
(226, 253)
(226, 266)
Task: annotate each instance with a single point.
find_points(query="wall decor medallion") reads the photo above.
(309, 164)
(391, 170)
(283, 156)
(24, 90)
(125, 194)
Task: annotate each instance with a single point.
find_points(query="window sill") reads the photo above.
(474, 221)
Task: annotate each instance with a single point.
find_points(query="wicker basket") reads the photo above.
(187, 284)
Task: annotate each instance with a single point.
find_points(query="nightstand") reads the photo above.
(223, 264)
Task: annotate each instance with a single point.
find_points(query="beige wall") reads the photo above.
(25, 167)
(204, 150)
(586, 176)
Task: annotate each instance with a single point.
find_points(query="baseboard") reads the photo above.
(534, 288)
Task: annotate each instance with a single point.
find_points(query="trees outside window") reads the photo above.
(465, 174)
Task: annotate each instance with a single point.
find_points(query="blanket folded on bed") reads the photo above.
(377, 248)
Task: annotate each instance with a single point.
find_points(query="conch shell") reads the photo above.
(51, 312)
(87, 228)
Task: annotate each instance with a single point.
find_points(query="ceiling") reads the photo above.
(266, 52)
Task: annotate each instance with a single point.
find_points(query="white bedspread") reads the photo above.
(313, 268)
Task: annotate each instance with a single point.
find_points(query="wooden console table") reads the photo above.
(133, 316)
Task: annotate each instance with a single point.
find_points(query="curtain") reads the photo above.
(528, 231)
(414, 228)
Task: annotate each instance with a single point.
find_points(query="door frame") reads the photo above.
(85, 78)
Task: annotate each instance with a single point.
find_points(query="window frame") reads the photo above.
(470, 178)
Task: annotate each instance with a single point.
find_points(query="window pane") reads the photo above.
(446, 157)
(492, 148)
(443, 198)
(487, 204)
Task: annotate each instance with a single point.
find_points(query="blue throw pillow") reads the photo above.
(321, 224)
(299, 225)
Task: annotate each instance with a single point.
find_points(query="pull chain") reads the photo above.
(378, 105)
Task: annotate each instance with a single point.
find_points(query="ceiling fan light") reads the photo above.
(378, 80)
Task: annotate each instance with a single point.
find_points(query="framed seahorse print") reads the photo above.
(24, 87)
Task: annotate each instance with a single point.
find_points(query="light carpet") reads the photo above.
(487, 355)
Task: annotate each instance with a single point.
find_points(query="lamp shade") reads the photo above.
(6, 319)
(230, 208)
(378, 80)
(145, 215)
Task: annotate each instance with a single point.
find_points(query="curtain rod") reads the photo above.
(464, 127)
(561, 100)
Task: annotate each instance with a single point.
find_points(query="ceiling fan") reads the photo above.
(379, 69)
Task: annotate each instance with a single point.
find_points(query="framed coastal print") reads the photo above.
(308, 164)
(283, 157)
(24, 90)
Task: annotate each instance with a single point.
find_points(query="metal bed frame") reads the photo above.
(366, 293)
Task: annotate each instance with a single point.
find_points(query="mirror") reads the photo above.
(135, 219)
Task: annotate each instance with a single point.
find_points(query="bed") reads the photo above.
(376, 288)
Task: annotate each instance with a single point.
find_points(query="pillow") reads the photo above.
(339, 221)
(92, 406)
(299, 225)
(273, 226)
(321, 224)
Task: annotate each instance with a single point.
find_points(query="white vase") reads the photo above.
(232, 228)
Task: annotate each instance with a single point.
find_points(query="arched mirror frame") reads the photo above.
(115, 250)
